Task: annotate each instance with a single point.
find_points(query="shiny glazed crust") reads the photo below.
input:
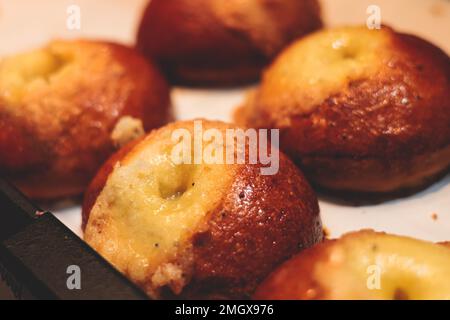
(258, 222)
(342, 269)
(55, 126)
(216, 42)
(384, 128)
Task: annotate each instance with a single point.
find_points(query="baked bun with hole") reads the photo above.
(197, 230)
(217, 42)
(360, 110)
(363, 265)
(65, 106)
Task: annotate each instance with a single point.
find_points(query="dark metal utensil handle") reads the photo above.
(39, 255)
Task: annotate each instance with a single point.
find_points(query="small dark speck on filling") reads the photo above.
(156, 245)
(374, 247)
(242, 195)
(193, 183)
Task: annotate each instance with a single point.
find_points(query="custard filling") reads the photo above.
(407, 269)
(149, 209)
(26, 71)
(321, 65)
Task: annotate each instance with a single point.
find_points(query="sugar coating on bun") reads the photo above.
(197, 230)
(364, 265)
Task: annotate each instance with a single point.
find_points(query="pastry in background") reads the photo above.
(197, 230)
(361, 111)
(363, 265)
(222, 42)
(64, 108)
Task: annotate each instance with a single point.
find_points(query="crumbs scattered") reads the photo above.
(39, 213)
(434, 216)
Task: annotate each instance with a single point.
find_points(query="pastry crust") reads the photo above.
(231, 224)
(216, 42)
(364, 111)
(347, 269)
(59, 106)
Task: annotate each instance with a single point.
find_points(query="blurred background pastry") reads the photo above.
(65, 107)
(218, 42)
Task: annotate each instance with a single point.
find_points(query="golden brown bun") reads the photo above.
(59, 106)
(217, 42)
(347, 269)
(447, 244)
(360, 110)
(197, 231)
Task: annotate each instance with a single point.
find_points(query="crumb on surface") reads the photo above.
(326, 233)
(171, 275)
(39, 213)
(127, 129)
(434, 216)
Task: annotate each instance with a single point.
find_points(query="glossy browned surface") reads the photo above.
(50, 161)
(379, 134)
(298, 277)
(261, 222)
(293, 280)
(196, 46)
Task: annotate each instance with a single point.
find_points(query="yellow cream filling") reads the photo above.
(321, 65)
(407, 269)
(28, 71)
(150, 207)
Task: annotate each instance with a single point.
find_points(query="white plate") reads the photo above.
(25, 24)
